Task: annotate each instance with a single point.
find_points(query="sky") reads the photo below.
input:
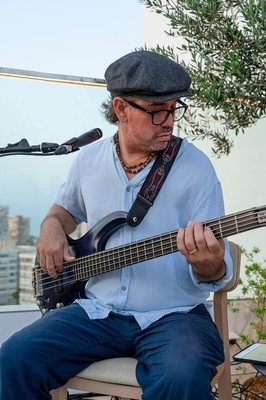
(82, 37)
(79, 38)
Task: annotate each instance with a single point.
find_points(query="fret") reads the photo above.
(153, 250)
(173, 243)
(84, 275)
(77, 269)
(112, 258)
(161, 246)
(137, 254)
(236, 224)
(109, 259)
(131, 260)
(220, 228)
(161, 243)
(149, 249)
(100, 265)
(80, 271)
(140, 249)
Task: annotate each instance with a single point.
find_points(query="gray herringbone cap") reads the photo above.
(148, 76)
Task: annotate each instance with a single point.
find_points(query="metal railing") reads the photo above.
(49, 77)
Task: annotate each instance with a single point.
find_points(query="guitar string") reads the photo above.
(104, 255)
(103, 258)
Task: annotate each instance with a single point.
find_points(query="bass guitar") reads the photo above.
(92, 259)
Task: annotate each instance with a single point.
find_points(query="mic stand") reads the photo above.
(23, 148)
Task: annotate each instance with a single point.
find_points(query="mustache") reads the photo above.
(163, 130)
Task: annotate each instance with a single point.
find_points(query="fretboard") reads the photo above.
(157, 246)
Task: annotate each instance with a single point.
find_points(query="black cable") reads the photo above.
(81, 396)
(88, 395)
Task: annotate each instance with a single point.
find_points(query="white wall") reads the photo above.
(242, 172)
(14, 318)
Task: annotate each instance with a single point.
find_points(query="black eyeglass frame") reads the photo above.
(152, 113)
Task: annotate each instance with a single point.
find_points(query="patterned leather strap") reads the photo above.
(153, 183)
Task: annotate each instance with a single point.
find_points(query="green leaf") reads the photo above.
(226, 44)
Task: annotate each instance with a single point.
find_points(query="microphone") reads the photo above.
(76, 142)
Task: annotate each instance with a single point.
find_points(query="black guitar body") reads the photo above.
(58, 292)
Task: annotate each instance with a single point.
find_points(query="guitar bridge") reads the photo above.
(37, 281)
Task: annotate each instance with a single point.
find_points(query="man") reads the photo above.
(155, 310)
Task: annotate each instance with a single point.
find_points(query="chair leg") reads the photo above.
(125, 398)
(221, 320)
(59, 394)
(224, 386)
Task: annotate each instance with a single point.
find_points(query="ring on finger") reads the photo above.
(192, 252)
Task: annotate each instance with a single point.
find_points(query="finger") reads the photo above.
(213, 244)
(41, 261)
(185, 240)
(51, 267)
(189, 238)
(48, 263)
(56, 263)
(180, 239)
(66, 254)
(60, 257)
(199, 237)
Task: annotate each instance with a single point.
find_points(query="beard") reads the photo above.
(154, 142)
(161, 138)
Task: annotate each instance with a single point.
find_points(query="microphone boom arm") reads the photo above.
(47, 149)
(23, 147)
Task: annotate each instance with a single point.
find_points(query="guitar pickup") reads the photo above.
(58, 287)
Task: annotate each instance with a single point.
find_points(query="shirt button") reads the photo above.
(123, 288)
(128, 189)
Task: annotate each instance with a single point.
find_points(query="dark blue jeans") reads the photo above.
(177, 355)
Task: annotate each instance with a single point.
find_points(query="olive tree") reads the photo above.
(225, 41)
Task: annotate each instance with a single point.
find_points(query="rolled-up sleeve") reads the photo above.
(213, 286)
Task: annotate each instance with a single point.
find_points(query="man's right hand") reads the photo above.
(52, 247)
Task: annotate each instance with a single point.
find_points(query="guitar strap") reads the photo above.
(153, 183)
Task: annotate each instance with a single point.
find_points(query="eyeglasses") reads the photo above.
(160, 116)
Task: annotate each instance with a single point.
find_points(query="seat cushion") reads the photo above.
(114, 370)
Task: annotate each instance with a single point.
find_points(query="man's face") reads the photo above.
(139, 129)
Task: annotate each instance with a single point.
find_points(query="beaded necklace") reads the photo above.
(132, 169)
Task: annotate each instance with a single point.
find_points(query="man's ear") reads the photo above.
(120, 109)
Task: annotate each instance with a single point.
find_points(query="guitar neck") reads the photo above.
(157, 246)
(237, 223)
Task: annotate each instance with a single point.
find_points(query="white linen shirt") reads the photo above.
(97, 186)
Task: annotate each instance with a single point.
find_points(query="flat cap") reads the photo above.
(147, 75)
